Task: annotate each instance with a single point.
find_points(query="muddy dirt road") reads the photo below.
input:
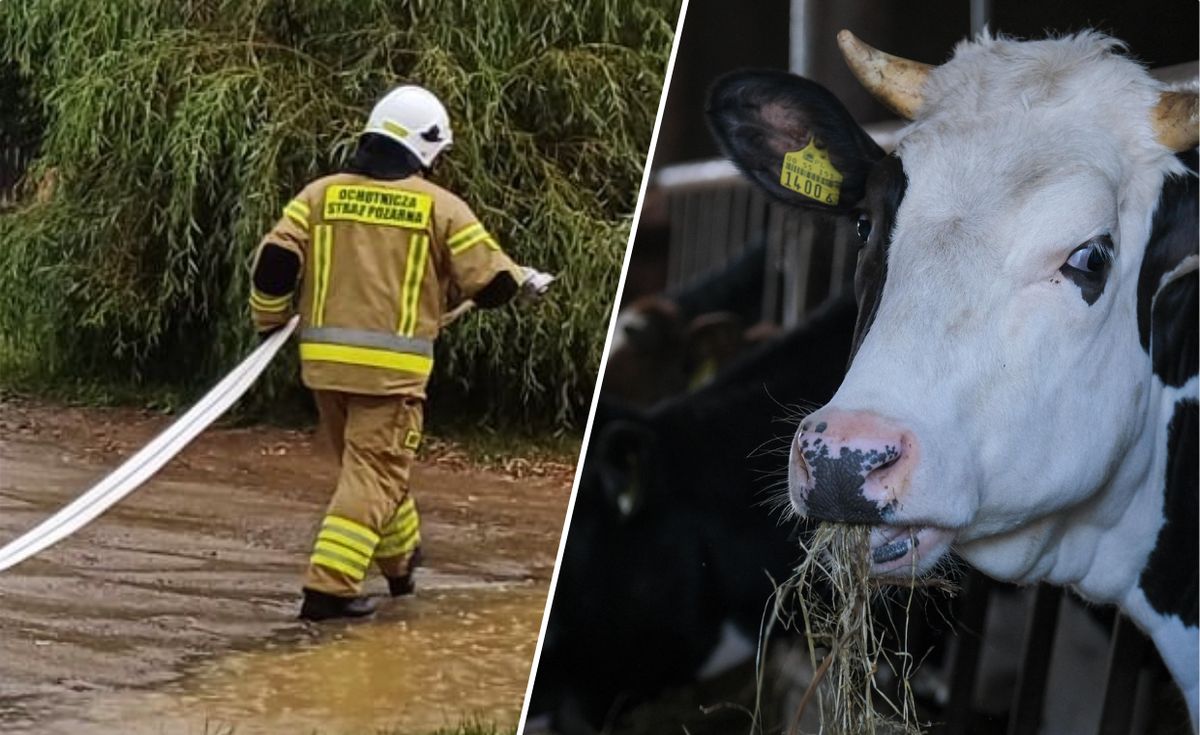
(174, 612)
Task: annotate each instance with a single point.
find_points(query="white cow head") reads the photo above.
(1025, 355)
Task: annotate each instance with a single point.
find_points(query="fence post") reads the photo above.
(1125, 659)
(1026, 715)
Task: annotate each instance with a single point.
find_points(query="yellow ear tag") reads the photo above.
(808, 171)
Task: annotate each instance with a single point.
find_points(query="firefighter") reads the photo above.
(372, 258)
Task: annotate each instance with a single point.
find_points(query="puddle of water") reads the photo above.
(427, 662)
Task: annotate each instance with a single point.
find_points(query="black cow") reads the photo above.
(667, 343)
(672, 534)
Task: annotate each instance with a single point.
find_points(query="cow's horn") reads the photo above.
(895, 81)
(1176, 120)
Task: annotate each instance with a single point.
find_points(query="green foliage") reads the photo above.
(174, 133)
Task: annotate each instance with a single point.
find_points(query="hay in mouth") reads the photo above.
(831, 595)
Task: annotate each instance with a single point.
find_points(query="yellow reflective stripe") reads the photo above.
(472, 242)
(414, 277)
(407, 507)
(344, 354)
(391, 543)
(395, 129)
(268, 308)
(402, 526)
(353, 528)
(297, 213)
(392, 546)
(403, 533)
(323, 558)
(262, 302)
(350, 556)
(341, 538)
(322, 245)
(268, 300)
(464, 234)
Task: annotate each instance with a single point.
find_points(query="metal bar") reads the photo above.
(981, 15)
(971, 618)
(790, 237)
(687, 241)
(771, 295)
(722, 205)
(677, 220)
(1125, 659)
(1026, 714)
(799, 56)
(802, 267)
(740, 204)
(712, 255)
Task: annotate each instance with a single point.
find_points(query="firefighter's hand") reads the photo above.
(535, 284)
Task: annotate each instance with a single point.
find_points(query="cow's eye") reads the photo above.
(1088, 267)
(1092, 257)
(864, 227)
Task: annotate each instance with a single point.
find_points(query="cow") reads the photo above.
(1022, 387)
(666, 344)
(673, 544)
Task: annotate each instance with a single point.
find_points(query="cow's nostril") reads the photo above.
(891, 460)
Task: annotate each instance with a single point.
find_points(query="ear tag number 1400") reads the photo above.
(809, 171)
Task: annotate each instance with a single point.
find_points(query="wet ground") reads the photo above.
(174, 612)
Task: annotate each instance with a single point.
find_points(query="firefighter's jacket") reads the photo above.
(378, 262)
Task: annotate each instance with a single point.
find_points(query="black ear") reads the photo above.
(624, 453)
(792, 137)
(1168, 282)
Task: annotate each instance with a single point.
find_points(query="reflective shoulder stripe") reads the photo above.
(414, 278)
(405, 362)
(297, 211)
(465, 233)
(322, 247)
(466, 238)
(468, 244)
(367, 338)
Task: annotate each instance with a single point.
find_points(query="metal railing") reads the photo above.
(715, 214)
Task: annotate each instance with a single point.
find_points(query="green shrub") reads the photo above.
(175, 131)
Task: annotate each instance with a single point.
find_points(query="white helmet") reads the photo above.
(413, 117)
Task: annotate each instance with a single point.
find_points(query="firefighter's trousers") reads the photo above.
(372, 517)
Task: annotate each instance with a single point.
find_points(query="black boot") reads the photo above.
(401, 586)
(324, 606)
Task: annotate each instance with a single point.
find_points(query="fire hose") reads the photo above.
(142, 466)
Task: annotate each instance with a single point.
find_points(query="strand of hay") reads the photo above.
(845, 641)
